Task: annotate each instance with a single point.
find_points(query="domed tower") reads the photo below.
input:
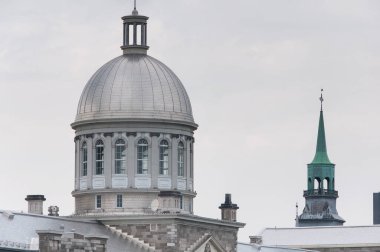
(134, 134)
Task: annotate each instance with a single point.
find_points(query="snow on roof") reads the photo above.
(312, 237)
(244, 247)
(18, 230)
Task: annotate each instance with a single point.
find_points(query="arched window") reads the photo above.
(99, 157)
(317, 184)
(164, 157)
(120, 157)
(84, 159)
(326, 184)
(181, 160)
(142, 157)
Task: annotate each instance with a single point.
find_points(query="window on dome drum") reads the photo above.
(164, 157)
(99, 157)
(119, 200)
(98, 201)
(142, 156)
(84, 159)
(120, 157)
(181, 160)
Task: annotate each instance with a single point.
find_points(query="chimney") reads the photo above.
(228, 209)
(35, 204)
(256, 239)
(53, 211)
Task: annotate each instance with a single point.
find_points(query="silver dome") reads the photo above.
(134, 87)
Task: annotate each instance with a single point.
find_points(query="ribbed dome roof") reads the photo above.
(134, 87)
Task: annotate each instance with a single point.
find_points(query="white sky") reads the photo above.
(253, 70)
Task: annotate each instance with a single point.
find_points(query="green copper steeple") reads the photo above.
(321, 156)
(320, 196)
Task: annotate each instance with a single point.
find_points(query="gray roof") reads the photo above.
(18, 231)
(328, 236)
(244, 247)
(134, 87)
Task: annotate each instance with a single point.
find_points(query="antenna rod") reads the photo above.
(135, 4)
(321, 99)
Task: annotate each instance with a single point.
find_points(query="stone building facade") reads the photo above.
(134, 166)
(53, 241)
(180, 232)
(134, 154)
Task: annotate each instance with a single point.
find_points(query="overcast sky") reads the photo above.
(253, 70)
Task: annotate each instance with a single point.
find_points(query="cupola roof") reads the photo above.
(134, 86)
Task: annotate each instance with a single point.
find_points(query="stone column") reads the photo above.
(154, 157)
(90, 160)
(126, 34)
(131, 159)
(187, 164)
(134, 33)
(173, 168)
(108, 159)
(77, 163)
(142, 34)
(192, 170)
(146, 35)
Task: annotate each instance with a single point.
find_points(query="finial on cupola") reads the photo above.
(135, 12)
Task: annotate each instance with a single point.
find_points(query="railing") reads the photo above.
(318, 192)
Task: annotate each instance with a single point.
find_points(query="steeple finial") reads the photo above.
(321, 150)
(321, 99)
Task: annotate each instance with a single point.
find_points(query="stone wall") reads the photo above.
(51, 241)
(189, 233)
(177, 235)
(132, 202)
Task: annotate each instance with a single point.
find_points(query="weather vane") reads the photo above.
(321, 99)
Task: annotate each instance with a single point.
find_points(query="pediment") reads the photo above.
(210, 245)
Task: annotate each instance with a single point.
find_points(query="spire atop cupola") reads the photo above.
(135, 12)
(134, 33)
(321, 156)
